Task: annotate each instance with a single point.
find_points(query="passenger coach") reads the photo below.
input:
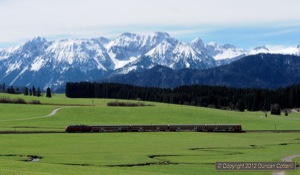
(155, 128)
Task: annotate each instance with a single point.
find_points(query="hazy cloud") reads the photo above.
(23, 19)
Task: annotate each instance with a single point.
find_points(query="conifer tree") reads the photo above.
(33, 91)
(48, 93)
(38, 93)
(26, 91)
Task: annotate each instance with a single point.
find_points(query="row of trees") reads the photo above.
(26, 91)
(196, 95)
(32, 91)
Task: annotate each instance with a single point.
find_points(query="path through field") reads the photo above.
(32, 118)
(286, 159)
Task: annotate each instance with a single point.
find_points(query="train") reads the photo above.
(156, 128)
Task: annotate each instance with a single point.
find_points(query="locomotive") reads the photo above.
(156, 128)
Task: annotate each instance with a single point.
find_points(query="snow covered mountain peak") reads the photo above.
(261, 48)
(212, 43)
(229, 46)
(80, 52)
(177, 55)
(37, 39)
(161, 51)
(198, 45)
(52, 63)
(129, 47)
(218, 46)
(102, 40)
(184, 49)
(128, 34)
(161, 34)
(197, 41)
(155, 38)
(34, 43)
(224, 52)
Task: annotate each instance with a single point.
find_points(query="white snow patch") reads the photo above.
(277, 50)
(255, 52)
(187, 65)
(13, 67)
(3, 56)
(132, 68)
(6, 53)
(160, 50)
(118, 63)
(183, 50)
(25, 68)
(37, 64)
(288, 51)
(127, 70)
(227, 54)
(99, 65)
(108, 45)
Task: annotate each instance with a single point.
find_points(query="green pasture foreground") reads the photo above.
(165, 153)
(125, 153)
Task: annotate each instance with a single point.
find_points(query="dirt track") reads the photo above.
(32, 118)
(286, 159)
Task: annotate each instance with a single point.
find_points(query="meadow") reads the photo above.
(136, 153)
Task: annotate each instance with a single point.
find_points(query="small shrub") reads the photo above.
(129, 104)
(8, 100)
(5, 100)
(19, 101)
(35, 102)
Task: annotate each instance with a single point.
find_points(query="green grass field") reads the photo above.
(136, 153)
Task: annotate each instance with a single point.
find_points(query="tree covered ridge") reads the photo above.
(220, 97)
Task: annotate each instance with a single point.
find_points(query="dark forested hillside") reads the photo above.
(207, 96)
(256, 71)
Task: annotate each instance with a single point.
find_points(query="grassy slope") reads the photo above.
(98, 150)
(98, 113)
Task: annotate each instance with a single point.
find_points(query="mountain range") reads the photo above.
(254, 71)
(45, 63)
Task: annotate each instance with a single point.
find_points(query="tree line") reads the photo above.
(25, 90)
(219, 97)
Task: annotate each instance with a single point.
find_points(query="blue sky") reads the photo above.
(244, 23)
